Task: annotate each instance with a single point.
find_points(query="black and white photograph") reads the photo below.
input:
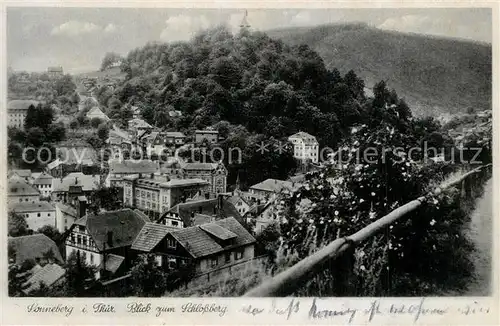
(246, 152)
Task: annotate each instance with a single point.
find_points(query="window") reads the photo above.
(91, 258)
(175, 223)
(48, 214)
(84, 255)
(238, 255)
(20, 200)
(171, 243)
(72, 238)
(213, 262)
(228, 257)
(78, 239)
(38, 214)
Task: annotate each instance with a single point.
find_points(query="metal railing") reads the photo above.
(285, 282)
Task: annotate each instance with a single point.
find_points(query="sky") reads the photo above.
(78, 38)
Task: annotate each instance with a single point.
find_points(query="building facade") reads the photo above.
(36, 214)
(17, 111)
(214, 173)
(305, 147)
(211, 136)
(155, 194)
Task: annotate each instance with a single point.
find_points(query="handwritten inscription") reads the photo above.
(416, 310)
(53, 309)
(164, 309)
(204, 308)
(252, 310)
(319, 313)
(138, 307)
(103, 308)
(287, 310)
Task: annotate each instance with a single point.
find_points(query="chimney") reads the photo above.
(76, 180)
(152, 175)
(192, 218)
(110, 238)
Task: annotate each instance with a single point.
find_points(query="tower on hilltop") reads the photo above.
(244, 22)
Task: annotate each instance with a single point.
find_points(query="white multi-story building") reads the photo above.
(36, 214)
(305, 146)
(17, 111)
(44, 184)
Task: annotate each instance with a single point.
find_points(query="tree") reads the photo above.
(149, 280)
(108, 199)
(18, 226)
(109, 59)
(51, 232)
(73, 124)
(95, 122)
(79, 276)
(103, 131)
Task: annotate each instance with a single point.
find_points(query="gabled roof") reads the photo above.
(274, 185)
(132, 166)
(151, 234)
(87, 182)
(218, 231)
(125, 225)
(25, 207)
(34, 246)
(206, 207)
(19, 187)
(43, 179)
(199, 166)
(200, 243)
(113, 262)
(235, 199)
(175, 134)
(66, 209)
(138, 123)
(98, 112)
(21, 104)
(305, 137)
(207, 131)
(22, 173)
(48, 275)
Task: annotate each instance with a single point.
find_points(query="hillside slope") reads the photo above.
(435, 75)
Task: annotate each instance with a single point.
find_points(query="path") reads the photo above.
(480, 231)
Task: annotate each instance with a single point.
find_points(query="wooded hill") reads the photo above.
(434, 75)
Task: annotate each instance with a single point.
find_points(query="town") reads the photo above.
(209, 166)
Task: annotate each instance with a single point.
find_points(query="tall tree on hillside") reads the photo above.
(149, 280)
(109, 59)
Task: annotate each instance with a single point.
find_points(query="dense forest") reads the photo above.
(252, 88)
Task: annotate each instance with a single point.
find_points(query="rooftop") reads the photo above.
(48, 275)
(21, 104)
(274, 185)
(207, 131)
(304, 136)
(150, 235)
(69, 210)
(19, 187)
(200, 243)
(43, 179)
(33, 247)
(26, 207)
(76, 179)
(124, 224)
(132, 166)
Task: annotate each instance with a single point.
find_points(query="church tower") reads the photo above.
(244, 22)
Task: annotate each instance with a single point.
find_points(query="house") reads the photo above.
(43, 183)
(305, 146)
(17, 111)
(262, 215)
(55, 71)
(95, 112)
(185, 214)
(37, 214)
(156, 194)
(74, 185)
(214, 173)
(160, 142)
(66, 215)
(120, 144)
(241, 204)
(20, 191)
(206, 247)
(34, 247)
(73, 157)
(120, 169)
(25, 174)
(211, 136)
(50, 275)
(175, 113)
(269, 188)
(104, 240)
(139, 125)
(136, 112)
